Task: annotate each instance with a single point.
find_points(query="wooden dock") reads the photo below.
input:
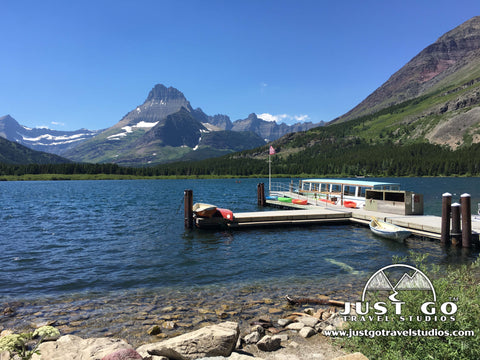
(427, 226)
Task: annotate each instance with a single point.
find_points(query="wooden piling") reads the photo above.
(446, 209)
(456, 232)
(261, 201)
(465, 202)
(188, 208)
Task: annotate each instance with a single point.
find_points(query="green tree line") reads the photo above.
(345, 157)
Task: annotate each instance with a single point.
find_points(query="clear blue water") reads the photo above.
(79, 236)
(99, 238)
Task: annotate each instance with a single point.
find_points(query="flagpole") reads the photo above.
(269, 174)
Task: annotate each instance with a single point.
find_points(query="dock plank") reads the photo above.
(420, 225)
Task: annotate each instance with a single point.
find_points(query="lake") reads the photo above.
(112, 257)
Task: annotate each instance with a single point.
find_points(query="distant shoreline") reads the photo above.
(64, 177)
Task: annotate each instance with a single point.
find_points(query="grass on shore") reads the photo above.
(459, 285)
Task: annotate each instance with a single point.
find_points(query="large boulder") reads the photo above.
(75, 348)
(214, 340)
(123, 354)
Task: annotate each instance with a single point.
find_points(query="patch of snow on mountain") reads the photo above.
(116, 136)
(75, 137)
(144, 124)
(129, 129)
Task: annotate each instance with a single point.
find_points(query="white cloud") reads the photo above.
(270, 117)
(302, 118)
(285, 118)
(58, 123)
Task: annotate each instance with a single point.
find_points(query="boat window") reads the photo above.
(336, 188)
(362, 191)
(349, 190)
(315, 187)
(324, 188)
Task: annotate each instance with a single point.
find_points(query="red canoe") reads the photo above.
(226, 214)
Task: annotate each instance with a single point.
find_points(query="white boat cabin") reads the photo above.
(342, 189)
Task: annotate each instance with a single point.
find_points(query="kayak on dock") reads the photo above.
(299, 202)
(350, 204)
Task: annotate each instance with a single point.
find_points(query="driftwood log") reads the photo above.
(311, 301)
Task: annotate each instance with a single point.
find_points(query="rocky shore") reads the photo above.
(130, 314)
(296, 336)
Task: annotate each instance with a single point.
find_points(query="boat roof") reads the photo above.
(351, 182)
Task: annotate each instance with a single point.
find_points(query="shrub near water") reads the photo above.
(459, 285)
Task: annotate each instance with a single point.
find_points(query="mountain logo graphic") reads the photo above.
(381, 282)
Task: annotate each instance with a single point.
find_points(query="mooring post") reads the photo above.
(456, 232)
(446, 209)
(261, 194)
(188, 207)
(465, 201)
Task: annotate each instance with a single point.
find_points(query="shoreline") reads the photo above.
(79, 177)
(291, 341)
(130, 315)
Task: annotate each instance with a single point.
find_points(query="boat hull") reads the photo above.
(389, 231)
(204, 210)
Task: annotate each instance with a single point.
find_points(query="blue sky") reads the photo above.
(69, 65)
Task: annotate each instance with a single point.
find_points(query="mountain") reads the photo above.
(43, 139)
(424, 121)
(452, 61)
(15, 153)
(164, 128)
(269, 130)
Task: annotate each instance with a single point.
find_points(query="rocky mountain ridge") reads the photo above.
(167, 128)
(15, 153)
(164, 128)
(43, 139)
(452, 61)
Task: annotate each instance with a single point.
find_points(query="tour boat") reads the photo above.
(388, 231)
(204, 210)
(346, 192)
